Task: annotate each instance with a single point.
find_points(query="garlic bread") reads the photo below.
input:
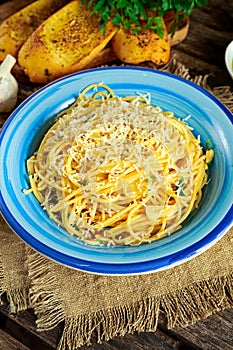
(66, 42)
(16, 29)
(145, 46)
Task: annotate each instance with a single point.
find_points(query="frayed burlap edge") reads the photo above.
(2, 274)
(186, 307)
(44, 293)
(78, 331)
(194, 302)
(198, 301)
(107, 324)
(18, 300)
(17, 297)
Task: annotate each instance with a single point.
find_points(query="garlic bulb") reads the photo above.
(8, 85)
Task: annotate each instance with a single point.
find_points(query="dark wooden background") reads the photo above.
(211, 29)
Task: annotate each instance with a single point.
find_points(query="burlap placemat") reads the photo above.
(14, 278)
(113, 305)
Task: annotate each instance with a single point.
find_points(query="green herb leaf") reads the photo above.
(207, 144)
(129, 13)
(88, 117)
(180, 187)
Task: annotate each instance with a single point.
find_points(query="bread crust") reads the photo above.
(65, 43)
(16, 29)
(145, 46)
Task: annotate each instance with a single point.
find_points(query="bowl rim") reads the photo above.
(128, 268)
(163, 263)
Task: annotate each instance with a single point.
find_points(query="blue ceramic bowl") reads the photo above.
(23, 131)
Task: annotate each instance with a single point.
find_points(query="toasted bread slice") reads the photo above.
(66, 42)
(16, 29)
(106, 56)
(145, 46)
(176, 35)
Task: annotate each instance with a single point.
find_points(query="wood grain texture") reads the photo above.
(10, 7)
(214, 333)
(9, 343)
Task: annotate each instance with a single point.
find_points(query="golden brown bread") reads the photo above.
(16, 29)
(179, 33)
(145, 46)
(107, 55)
(66, 42)
(58, 47)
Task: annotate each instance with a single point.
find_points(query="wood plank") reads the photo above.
(10, 7)
(22, 327)
(215, 332)
(210, 47)
(217, 76)
(217, 15)
(9, 343)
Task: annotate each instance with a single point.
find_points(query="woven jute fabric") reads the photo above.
(13, 269)
(115, 305)
(109, 306)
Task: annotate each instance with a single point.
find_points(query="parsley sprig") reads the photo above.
(132, 13)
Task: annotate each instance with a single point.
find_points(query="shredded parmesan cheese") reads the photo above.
(118, 171)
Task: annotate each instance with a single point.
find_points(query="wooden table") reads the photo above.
(211, 29)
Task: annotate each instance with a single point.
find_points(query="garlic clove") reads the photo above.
(8, 85)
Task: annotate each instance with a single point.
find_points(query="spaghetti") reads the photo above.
(118, 171)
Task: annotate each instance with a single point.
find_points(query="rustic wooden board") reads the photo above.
(9, 343)
(214, 333)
